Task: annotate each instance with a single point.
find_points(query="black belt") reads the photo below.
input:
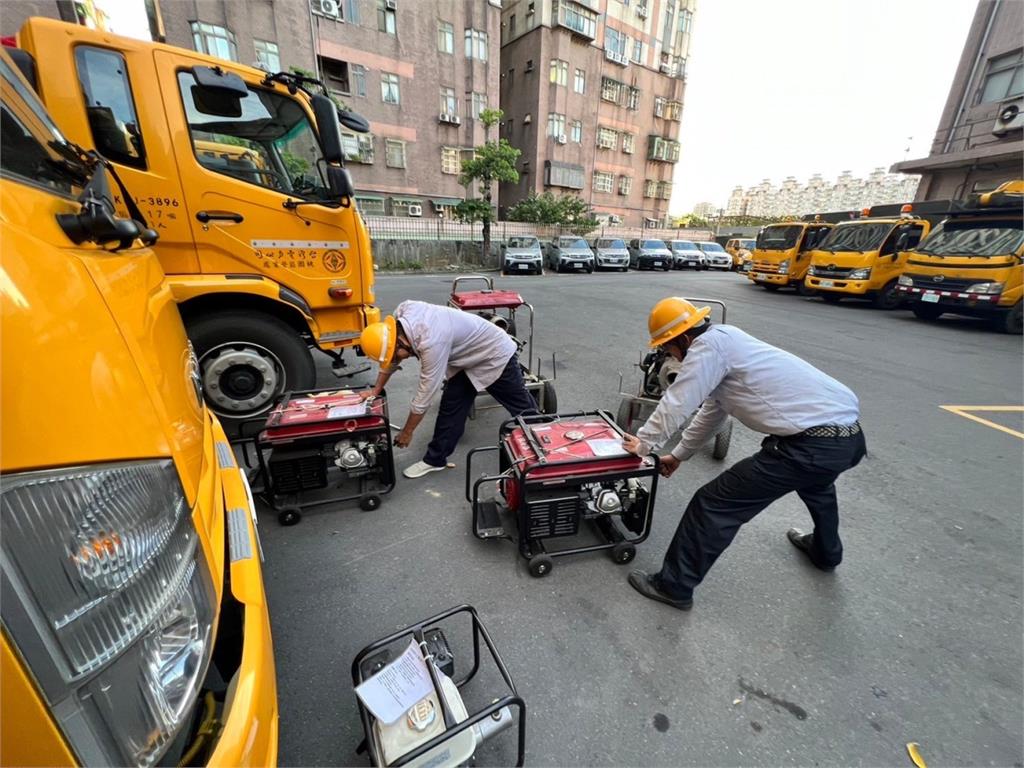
(832, 430)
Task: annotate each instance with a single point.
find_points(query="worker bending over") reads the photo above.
(460, 348)
(813, 436)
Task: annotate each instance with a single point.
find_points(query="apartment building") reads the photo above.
(592, 92)
(419, 70)
(979, 142)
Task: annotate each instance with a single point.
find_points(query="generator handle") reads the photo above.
(719, 303)
(467, 278)
(469, 465)
(529, 342)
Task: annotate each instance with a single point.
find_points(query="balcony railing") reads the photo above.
(577, 18)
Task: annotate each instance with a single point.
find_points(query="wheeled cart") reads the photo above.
(318, 448)
(438, 731)
(556, 471)
(501, 308)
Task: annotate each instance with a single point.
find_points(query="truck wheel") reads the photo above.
(771, 287)
(722, 441)
(888, 297)
(247, 360)
(926, 311)
(830, 298)
(1010, 321)
(804, 289)
(550, 398)
(624, 417)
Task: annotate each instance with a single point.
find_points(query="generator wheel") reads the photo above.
(624, 417)
(623, 553)
(289, 516)
(540, 566)
(369, 502)
(722, 441)
(549, 398)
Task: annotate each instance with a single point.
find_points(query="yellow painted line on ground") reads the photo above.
(966, 412)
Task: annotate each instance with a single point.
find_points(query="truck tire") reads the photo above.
(804, 289)
(926, 311)
(829, 297)
(771, 287)
(247, 360)
(888, 297)
(1011, 320)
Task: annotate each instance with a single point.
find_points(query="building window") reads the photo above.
(662, 149)
(385, 17)
(685, 21)
(559, 72)
(477, 104)
(336, 75)
(604, 182)
(556, 125)
(615, 43)
(665, 190)
(607, 138)
(267, 55)
(576, 131)
(579, 19)
(632, 98)
(1005, 78)
(108, 92)
(568, 175)
(650, 188)
(674, 110)
(357, 147)
(659, 106)
(394, 153)
(389, 88)
(370, 206)
(450, 162)
(445, 37)
(579, 83)
(358, 80)
(628, 143)
(610, 89)
(625, 185)
(449, 104)
(214, 40)
(638, 51)
(512, 24)
(476, 44)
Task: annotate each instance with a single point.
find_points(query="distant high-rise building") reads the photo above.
(705, 210)
(818, 196)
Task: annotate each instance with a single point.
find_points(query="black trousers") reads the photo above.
(807, 465)
(457, 400)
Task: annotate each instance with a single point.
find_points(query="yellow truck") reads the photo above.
(740, 249)
(240, 172)
(971, 264)
(135, 624)
(864, 258)
(782, 254)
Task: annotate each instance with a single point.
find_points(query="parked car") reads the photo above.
(686, 255)
(522, 254)
(717, 257)
(570, 252)
(611, 253)
(650, 254)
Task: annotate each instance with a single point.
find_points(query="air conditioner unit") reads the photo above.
(391, 5)
(529, 66)
(561, 138)
(618, 58)
(328, 8)
(667, 69)
(444, 117)
(1011, 116)
(415, 209)
(641, 11)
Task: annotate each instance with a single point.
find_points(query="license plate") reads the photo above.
(756, 276)
(577, 266)
(691, 263)
(522, 266)
(931, 298)
(657, 263)
(826, 283)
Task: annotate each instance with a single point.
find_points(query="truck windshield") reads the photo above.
(974, 238)
(271, 143)
(779, 238)
(522, 242)
(856, 237)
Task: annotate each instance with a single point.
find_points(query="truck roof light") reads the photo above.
(906, 208)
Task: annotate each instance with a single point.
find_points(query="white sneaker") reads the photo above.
(419, 469)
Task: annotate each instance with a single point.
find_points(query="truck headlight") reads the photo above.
(811, 271)
(905, 280)
(108, 598)
(784, 265)
(985, 288)
(860, 274)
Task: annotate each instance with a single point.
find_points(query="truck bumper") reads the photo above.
(976, 303)
(836, 285)
(769, 277)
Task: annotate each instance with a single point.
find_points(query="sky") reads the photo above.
(781, 88)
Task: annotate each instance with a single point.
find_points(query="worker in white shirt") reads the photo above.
(813, 436)
(460, 348)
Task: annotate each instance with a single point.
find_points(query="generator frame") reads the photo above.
(488, 299)
(289, 506)
(538, 556)
(416, 632)
(634, 407)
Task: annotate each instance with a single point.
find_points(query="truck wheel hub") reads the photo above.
(241, 380)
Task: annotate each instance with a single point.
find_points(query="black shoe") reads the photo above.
(802, 541)
(642, 583)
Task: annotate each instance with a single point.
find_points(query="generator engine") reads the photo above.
(659, 370)
(625, 498)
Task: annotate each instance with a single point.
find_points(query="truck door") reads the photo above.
(241, 159)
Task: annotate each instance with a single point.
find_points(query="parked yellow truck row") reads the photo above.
(240, 175)
(134, 621)
(966, 261)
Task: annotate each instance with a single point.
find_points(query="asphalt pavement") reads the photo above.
(917, 636)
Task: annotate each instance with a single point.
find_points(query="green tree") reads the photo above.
(569, 211)
(493, 161)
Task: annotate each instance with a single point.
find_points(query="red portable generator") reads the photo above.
(556, 471)
(314, 443)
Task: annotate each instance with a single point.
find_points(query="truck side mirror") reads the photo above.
(217, 92)
(340, 182)
(326, 114)
(353, 122)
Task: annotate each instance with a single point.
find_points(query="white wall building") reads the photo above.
(846, 193)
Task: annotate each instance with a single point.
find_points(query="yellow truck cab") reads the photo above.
(740, 249)
(782, 253)
(864, 258)
(240, 172)
(971, 264)
(134, 621)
